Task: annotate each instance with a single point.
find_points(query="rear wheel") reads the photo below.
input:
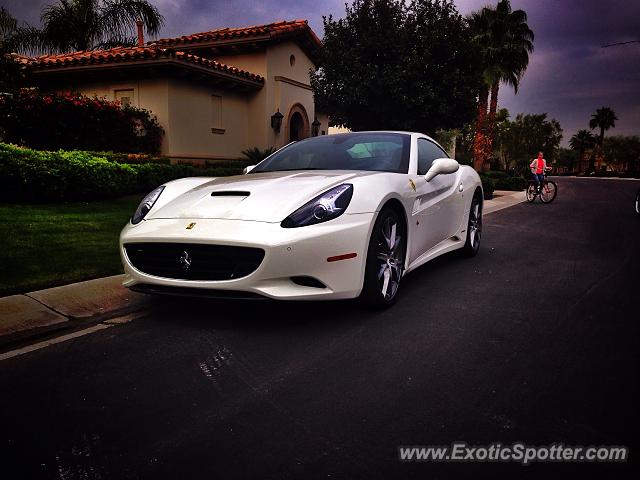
(549, 192)
(385, 260)
(474, 228)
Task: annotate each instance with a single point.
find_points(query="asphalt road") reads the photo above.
(534, 340)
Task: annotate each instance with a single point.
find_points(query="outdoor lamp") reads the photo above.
(276, 120)
(315, 127)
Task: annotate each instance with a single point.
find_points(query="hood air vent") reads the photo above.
(230, 193)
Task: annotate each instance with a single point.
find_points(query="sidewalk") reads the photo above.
(66, 307)
(503, 199)
(79, 304)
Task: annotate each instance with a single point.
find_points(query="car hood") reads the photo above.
(264, 197)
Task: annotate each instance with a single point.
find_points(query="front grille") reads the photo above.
(194, 261)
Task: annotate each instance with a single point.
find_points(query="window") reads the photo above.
(216, 114)
(125, 97)
(427, 153)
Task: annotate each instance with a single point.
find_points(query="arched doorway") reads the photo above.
(297, 126)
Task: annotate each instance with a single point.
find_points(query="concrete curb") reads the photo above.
(67, 307)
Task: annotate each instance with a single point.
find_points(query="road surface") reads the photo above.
(534, 340)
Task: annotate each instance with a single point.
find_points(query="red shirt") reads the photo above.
(539, 164)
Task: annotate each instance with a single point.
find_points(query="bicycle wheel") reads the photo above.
(549, 192)
(531, 193)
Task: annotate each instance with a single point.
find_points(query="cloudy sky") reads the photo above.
(569, 74)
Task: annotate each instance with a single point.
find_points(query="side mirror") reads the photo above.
(247, 169)
(441, 165)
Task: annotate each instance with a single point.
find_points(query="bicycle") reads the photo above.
(547, 193)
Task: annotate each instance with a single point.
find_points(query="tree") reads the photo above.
(623, 153)
(582, 141)
(505, 41)
(12, 72)
(528, 134)
(391, 64)
(604, 119)
(74, 25)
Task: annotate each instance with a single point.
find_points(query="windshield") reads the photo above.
(384, 152)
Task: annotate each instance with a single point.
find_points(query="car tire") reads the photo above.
(385, 260)
(474, 228)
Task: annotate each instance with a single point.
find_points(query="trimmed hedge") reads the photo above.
(505, 181)
(488, 186)
(43, 176)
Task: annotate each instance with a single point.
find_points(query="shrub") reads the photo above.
(40, 176)
(496, 174)
(488, 185)
(511, 183)
(256, 155)
(122, 157)
(49, 122)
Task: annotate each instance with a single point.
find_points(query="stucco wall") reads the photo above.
(259, 118)
(191, 121)
(283, 95)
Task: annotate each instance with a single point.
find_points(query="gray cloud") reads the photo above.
(569, 76)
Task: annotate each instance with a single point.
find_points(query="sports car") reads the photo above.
(329, 217)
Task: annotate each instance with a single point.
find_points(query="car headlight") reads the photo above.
(324, 207)
(146, 205)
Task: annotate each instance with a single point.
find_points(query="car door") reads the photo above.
(435, 206)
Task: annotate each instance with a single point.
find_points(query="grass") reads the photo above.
(47, 245)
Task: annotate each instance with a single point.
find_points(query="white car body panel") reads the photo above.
(436, 213)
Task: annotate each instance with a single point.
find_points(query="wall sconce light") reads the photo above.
(276, 121)
(315, 127)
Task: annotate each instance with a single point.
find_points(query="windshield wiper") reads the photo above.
(287, 170)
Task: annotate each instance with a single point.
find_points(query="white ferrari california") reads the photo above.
(329, 217)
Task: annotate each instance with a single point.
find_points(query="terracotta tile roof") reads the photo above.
(129, 54)
(275, 30)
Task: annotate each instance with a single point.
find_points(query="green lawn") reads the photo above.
(55, 244)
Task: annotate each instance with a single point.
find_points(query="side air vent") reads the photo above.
(308, 282)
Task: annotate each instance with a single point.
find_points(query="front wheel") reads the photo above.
(474, 228)
(549, 192)
(385, 260)
(531, 193)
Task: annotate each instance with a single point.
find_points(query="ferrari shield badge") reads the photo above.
(191, 225)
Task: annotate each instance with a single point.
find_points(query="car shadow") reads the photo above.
(266, 314)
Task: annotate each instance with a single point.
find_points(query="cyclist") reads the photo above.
(538, 167)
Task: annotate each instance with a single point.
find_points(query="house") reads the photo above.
(215, 93)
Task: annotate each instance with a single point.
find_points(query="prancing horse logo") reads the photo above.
(185, 260)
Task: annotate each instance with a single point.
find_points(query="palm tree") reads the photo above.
(505, 42)
(12, 72)
(73, 25)
(604, 119)
(582, 141)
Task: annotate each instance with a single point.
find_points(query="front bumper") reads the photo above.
(289, 252)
